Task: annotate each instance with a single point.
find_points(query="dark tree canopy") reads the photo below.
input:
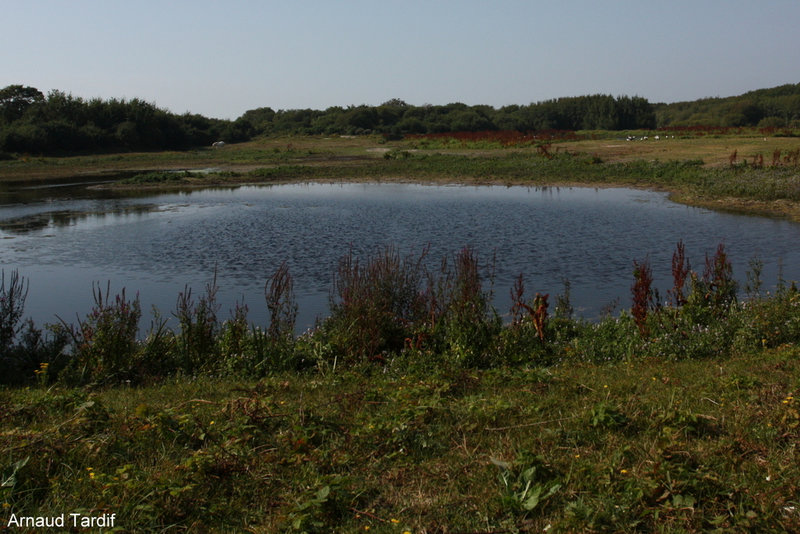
(62, 123)
(15, 99)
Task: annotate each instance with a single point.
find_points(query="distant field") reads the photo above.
(611, 147)
(715, 152)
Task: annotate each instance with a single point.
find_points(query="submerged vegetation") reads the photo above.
(412, 407)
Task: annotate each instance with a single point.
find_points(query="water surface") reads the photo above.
(157, 245)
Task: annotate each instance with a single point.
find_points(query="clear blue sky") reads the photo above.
(223, 57)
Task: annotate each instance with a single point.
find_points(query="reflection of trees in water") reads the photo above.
(38, 221)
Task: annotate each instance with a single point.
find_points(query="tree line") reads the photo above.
(777, 107)
(31, 122)
(396, 117)
(58, 123)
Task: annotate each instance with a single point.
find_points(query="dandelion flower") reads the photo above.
(395, 521)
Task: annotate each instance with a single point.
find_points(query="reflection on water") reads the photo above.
(156, 245)
(39, 220)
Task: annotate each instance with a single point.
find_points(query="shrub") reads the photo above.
(526, 338)
(375, 307)
(680, 272)
(642, 291)
(25, 352)
(34, 355)
(469, 322)
(12, 305)
(104, 343)
(282, 306)
(197, 340)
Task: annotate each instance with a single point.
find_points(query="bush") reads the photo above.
(468, 322)
(25, 352)
(197, 340)
(375, 307)
(104, 343)
(34, 356)
(12, 305)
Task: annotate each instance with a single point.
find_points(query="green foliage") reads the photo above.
(25, 352)
(281, 303)
(197, 339)
(12, 304)
(376, 306)
(16, 99)
(526, 484)
(604, 415)
(636, 446)
(468, 323)
(59, 122)
(776, 107)
(104, 343)
(391, 309)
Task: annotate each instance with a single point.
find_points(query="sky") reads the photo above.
(221, 58)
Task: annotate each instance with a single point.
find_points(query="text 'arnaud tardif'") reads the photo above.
(73, 520)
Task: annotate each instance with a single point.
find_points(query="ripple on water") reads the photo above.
(587, 236)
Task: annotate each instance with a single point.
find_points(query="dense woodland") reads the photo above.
(58, 123)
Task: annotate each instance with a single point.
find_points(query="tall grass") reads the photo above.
(389, 308)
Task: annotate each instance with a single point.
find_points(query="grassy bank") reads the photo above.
(413, 408)
(637, 445)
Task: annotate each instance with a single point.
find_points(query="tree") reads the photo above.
(15, 99)
(396, 103)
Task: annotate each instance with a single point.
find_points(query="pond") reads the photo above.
(63, 241)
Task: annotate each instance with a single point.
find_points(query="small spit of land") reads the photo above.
(412, 408)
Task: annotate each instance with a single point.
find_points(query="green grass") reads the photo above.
(639, 445)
